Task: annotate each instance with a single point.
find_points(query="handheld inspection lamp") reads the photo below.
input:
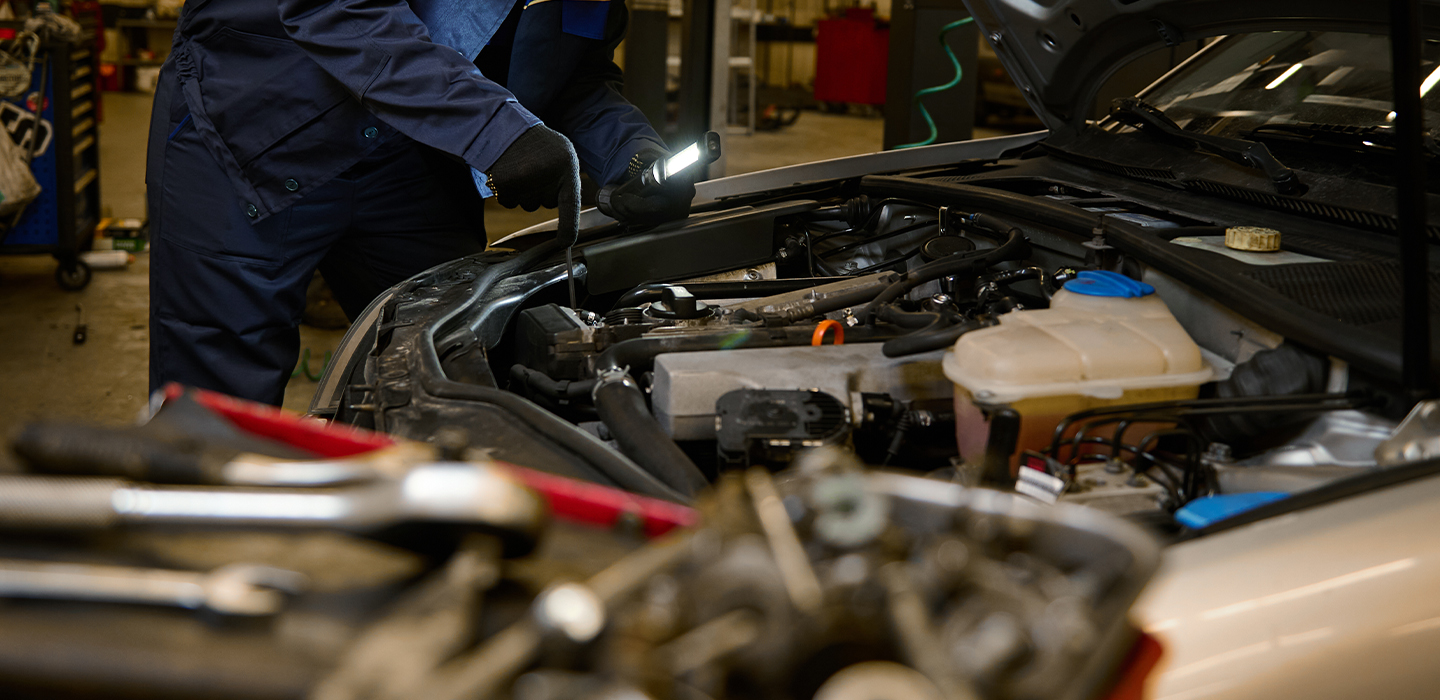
(650, 180)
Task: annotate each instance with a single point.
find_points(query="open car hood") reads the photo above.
(1060, 53)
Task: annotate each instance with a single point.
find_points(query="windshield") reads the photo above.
(1290, 77)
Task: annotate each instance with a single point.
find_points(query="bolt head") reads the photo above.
(573, 610)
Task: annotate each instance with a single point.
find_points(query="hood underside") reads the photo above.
(1060, 53)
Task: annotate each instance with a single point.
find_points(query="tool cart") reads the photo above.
(63, 149)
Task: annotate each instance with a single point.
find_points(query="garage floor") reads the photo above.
(43, 374)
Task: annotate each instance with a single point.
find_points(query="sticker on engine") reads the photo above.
(1039, 485)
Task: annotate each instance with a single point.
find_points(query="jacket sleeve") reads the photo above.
(606, 129)
(587, 106)
(382, 52)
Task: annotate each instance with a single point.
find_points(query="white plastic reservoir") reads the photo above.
(1105, 340)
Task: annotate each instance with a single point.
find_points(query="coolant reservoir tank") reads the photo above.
(1105, 340)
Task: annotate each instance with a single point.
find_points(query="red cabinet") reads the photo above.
(851, 54)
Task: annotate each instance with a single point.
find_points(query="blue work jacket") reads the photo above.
(287, 94)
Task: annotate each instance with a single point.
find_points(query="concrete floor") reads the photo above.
(44, 375)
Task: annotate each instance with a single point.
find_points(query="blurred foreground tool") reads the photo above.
(833, 582)
(372, 482)
(234, 589)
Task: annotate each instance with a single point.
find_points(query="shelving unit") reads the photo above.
(744, 21)
(135, 34)
(61, 221)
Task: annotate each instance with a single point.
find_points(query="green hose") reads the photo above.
(935, 133)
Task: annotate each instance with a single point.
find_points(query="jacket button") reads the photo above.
(371, 132)
(251, 211)
(292, 185)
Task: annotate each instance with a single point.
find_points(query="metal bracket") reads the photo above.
(1416, 438)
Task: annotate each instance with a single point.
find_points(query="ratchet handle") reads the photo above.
(58, 502)
(568, 221)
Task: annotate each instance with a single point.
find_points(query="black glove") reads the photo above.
(532, 171)
(671, 202)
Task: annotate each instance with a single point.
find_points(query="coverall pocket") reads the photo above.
(202, 214)
(257, 89)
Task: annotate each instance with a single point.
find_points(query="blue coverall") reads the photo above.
(352, 136)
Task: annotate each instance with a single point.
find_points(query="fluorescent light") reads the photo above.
(1430, 81)
(1284, 76)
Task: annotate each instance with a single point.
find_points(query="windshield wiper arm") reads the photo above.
(1360, 138)
(1135, 112)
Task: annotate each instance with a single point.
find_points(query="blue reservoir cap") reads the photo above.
(1099, 283)
(1209, 510)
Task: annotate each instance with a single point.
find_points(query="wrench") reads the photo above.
(462, 494)
(233, 589)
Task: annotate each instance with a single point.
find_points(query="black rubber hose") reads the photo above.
(542, 384)
(940, 334)
(615, 466)
(915, 319)
(1014, 247)
(622, 409)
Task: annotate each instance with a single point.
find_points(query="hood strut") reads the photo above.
(1405, 58)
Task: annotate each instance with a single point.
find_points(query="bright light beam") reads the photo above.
(1430, 81)
(1284, 76)
(682, 160)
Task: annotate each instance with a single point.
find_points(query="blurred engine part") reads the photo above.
(1284, 370)
(829, 581)
(1114, 487)
(756, 426)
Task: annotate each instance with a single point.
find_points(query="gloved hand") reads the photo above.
(671, 202)
(532, 171)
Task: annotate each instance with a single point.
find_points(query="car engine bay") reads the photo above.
(824, 314)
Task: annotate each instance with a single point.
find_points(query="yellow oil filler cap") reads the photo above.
(1252, 238)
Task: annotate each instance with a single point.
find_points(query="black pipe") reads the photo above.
(722, 290)
(1405, 60)
(1014, 247)
(915, 319)
(938, 336)
(543, 384)
(622, 409)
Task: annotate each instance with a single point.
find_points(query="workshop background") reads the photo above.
(784, 81)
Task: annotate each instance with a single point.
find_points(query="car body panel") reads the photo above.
(710, 191)
(1336, 601)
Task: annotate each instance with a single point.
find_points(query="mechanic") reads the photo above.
(360, 137)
